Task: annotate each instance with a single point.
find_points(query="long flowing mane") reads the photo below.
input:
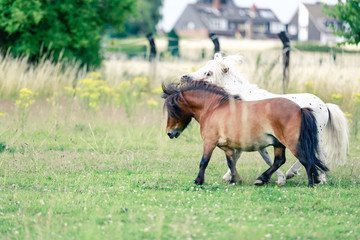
(173, 91)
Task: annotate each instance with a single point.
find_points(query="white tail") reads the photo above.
(336, 136)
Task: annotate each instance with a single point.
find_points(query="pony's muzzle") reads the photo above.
(173, 133)
(185, 77)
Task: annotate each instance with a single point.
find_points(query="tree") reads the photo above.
(144, 19)
(347, 12)
(64, 29)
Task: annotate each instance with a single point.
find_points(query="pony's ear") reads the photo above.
(217, 56)
(225, 69)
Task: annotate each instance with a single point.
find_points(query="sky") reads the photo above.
(284, 9)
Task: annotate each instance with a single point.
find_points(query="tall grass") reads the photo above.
(313, 72)
(44, 78)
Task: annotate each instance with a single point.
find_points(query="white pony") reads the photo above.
(331, 121)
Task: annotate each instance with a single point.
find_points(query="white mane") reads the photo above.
(232, 80)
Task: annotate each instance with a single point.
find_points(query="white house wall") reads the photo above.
(303, 34)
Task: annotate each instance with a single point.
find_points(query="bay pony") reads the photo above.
(231, 124)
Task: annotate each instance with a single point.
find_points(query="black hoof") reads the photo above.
(261, 181)
(317, 180)
(199, 181)
(258, 182)
(311, 185)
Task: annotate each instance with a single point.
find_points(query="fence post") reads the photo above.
(286, 59)
(152, 58)
(152, 54)
(215, 40)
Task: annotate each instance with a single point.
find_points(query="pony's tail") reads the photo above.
(336, 135)
(309, 141)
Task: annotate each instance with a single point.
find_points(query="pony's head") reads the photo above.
(197, 93)
(178, 115)
(215, 70)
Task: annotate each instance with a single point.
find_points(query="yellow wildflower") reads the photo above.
(70, 90)
(2, 114)
(26, 91)
(357, 97)
(152, 102)
(310, 86)
(157, 90)
(348, 115)
(194, 68)
(124, 85)
(140, 81)
(85, 94)
(336, 97)
(93, 105)
(95, 75)
(94, 95)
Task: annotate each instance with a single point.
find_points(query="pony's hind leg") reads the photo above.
(295, 168)
(227, 176)
(230, 158)
(278, 161)
(267, 158)
(322, 157)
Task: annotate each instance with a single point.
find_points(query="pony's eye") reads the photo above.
(208, 74)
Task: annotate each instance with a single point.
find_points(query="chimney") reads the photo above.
(253, 8)
(216, 4)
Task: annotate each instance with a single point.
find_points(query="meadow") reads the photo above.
(84, 155)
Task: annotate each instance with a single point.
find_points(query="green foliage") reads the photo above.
(144, 19)
(62, 29)
(317, 47)
(128, 48)
(347, 12)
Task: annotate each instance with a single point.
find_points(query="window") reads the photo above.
(292, 29)
(260, 28)
(276, 27)
(217, 24)
(242, 12)
(190, 25)
(266, 14)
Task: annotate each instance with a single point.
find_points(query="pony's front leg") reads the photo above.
(208, 149)
(267, 158)
(230, 158)
(227, 176)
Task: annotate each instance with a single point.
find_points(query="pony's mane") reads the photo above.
(172, 92)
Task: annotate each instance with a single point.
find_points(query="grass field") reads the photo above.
(92, 176)
(101, 167)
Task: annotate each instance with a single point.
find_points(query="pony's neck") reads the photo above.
(198, 105)
(235, 84)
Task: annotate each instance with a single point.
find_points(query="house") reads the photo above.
(311, 24)
(224, 18)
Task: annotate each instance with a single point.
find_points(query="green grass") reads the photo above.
(104, 176)
(317, 47)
